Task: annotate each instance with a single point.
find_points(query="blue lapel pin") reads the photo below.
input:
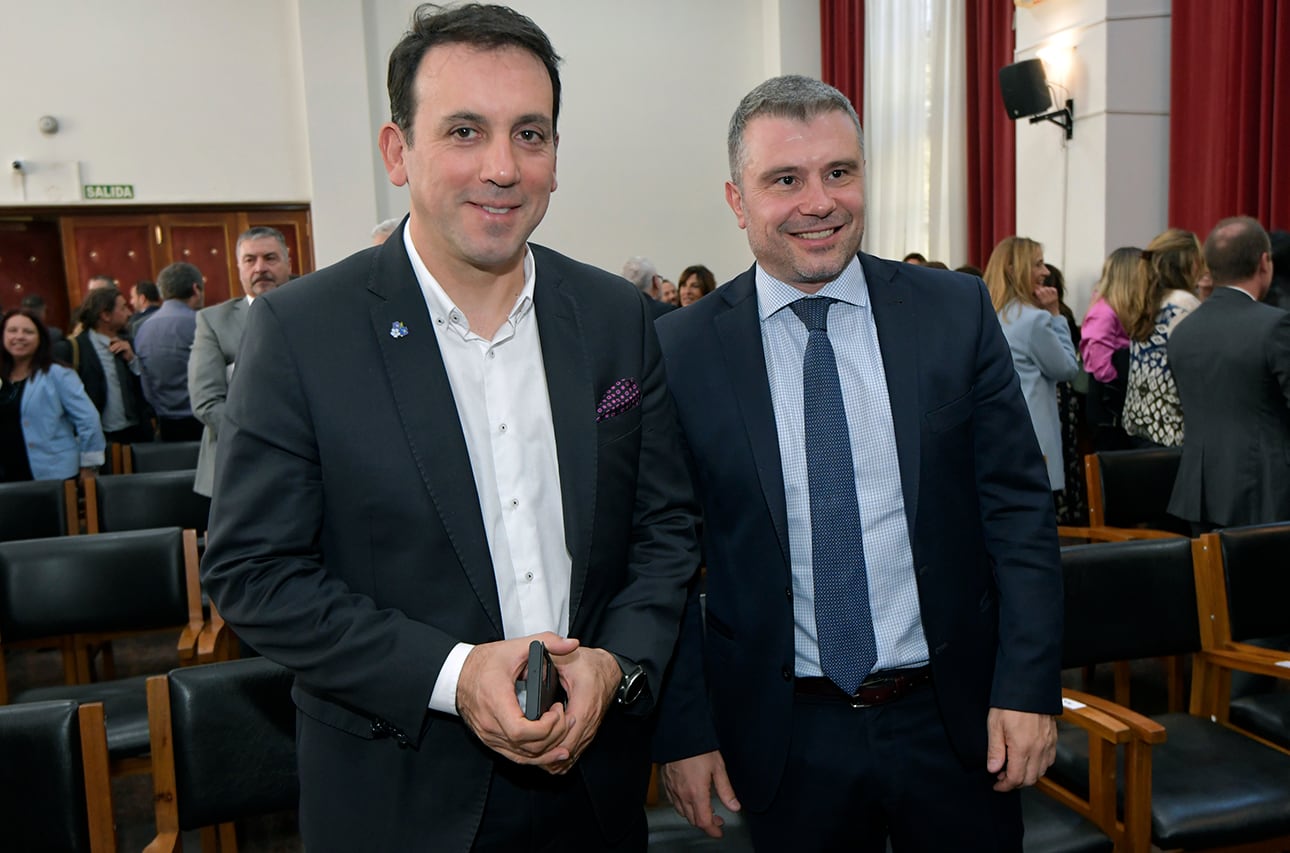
(398, 330)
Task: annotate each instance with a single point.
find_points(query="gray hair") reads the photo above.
(387, 227)
(259, 231)
(640, 272)
(792, 96)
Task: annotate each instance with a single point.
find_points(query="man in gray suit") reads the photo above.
(1231, 361)
(263, 263)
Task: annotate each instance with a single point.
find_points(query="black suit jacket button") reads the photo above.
(787, 673)
(788, 593)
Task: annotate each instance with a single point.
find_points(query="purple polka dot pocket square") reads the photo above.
(623, 396)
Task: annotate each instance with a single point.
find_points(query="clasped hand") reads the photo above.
(486, 700)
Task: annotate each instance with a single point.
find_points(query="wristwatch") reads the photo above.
(633, 685)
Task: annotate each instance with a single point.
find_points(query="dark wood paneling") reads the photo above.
(124, 247)
(31, 263)
(206, 242)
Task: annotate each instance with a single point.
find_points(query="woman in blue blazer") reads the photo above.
(49, 429)
(1038, 336)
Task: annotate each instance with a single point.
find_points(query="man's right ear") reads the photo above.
(390, 140)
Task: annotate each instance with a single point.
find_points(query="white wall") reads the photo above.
(1107, 187)
(189, 102)
(648, 92)
(280, 101)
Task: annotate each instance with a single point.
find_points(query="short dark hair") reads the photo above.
(1233, 249)
(487, 27)
(258, 231)
(792, 96)
(96, 302)
(42, 358)
(179, 280)
(915, 256)
(148, 290)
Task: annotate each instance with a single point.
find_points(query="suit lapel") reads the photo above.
(893, 314)
(419, 383)
(573, 404)
(739, 330)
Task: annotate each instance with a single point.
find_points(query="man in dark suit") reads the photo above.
(1231, 361)
(440, 449)
(108, 366)
(880, 650)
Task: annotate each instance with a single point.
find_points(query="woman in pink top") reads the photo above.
(1104, 345)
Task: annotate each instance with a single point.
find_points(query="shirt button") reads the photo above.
(502, 428)
(515, 502)
(492, 354)
(528, 576)
(438, 321)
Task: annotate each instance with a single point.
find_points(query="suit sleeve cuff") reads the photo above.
(444, 696)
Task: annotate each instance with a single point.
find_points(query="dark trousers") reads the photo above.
(134, 434)
(858, 776)
(179, 429)
(530, 810)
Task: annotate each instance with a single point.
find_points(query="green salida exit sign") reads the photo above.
(113, 192)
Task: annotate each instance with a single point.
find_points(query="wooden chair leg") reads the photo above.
(227, 838)
(1123, 677)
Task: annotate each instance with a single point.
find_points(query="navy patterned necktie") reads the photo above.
(843, 621)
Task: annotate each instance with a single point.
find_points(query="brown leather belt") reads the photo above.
(882, 687)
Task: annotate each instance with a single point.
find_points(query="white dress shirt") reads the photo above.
(500, 390)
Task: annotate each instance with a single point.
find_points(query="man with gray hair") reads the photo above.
(263, 263)
(383, 230)
(163, 346)
(881, 652)
(1231, 360)
(642, 273)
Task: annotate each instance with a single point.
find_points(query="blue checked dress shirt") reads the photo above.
(893, 593)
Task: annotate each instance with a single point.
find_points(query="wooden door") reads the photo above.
(31, 264)
(125, 247)
(295, 226)
(204, 240)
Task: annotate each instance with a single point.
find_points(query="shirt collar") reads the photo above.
(441, 305)
(850, 287)
(99, 338)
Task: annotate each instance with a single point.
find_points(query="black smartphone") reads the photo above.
(542, 681)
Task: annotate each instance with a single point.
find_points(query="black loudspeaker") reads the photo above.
(1025, 88)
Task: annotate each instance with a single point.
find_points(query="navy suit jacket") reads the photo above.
(347, 541)
(976, 497)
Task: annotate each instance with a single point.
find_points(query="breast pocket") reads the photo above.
(952, 414)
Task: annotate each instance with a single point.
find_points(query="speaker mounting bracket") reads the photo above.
(1063, 118)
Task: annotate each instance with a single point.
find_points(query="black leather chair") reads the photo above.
(54, 787)
(140, 501)
(1182, 781)
(1130, 490)
(1243, 582)
(153, 456)
(223, 747)
(37, 509)
(79, 591)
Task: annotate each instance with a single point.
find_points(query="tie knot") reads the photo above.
(813, 311)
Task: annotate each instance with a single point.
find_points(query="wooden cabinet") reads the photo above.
(131, 245)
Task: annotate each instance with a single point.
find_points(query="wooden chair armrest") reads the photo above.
(1253, 659)
(1098, 723)
(1142, 728)
(1103, 533)
(216, 638)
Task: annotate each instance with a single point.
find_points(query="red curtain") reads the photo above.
(991, 139)
(1229, 113)
(842, 40)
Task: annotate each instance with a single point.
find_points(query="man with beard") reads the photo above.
(263, 263)
(880, 656)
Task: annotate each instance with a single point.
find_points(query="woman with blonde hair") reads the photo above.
(1152, 410)
(1039, 337)
(1104, 344)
